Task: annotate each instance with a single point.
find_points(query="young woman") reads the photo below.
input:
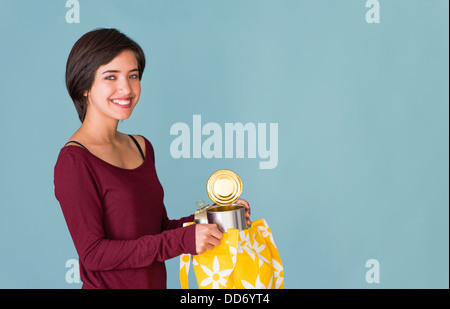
(105, 180)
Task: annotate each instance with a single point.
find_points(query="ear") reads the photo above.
(86, 97)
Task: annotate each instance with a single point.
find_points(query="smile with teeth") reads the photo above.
(122, 101)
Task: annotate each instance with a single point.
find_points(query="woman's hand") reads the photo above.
(207, 236)
(247, 210)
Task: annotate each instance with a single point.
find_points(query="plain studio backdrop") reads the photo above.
(358, 91)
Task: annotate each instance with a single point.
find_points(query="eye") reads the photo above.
(110, 77)
(134, 76)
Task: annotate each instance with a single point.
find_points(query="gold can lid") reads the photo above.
(224, 187)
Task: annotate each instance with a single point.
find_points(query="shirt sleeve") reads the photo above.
(168, 224)
(80, 200)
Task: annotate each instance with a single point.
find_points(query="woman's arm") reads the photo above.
(168, 224)
(78, 195)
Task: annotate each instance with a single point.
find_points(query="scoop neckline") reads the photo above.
(112, 165)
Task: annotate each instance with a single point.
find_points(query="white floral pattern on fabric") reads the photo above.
(258, 249)
(258, 284)
(278, 273)
(215, 276)
(266, 232)
(185, 261)
(244, 244)
(243, 260)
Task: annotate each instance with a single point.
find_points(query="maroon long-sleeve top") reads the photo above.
(118, 221)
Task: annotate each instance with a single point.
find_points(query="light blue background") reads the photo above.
(363, 128)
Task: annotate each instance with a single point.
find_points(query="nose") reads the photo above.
(124, 86)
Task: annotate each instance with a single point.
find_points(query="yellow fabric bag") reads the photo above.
(247, 259)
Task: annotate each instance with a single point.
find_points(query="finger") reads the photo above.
(213, 226)
(242, 201)
(216, 233)
(214, 241)
(209, 247)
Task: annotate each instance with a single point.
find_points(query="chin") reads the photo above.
(123, 117)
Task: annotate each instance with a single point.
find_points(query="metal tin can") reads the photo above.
(227, 217)
(200, 214)
(224, 188)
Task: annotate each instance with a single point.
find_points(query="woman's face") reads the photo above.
(116, 88)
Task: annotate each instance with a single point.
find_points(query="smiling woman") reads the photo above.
(105, 180)
(116, 84)
(92, 52)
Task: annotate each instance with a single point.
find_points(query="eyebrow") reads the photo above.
(116, 71)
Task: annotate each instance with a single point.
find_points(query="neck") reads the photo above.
(101, 131)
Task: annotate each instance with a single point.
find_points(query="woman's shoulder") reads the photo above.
(73, 164)
(73, 152)
(143, 141)
(140, 139)
(73, 145)
(72, 155)
(146, 145)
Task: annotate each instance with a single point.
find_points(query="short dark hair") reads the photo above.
(94, 49)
